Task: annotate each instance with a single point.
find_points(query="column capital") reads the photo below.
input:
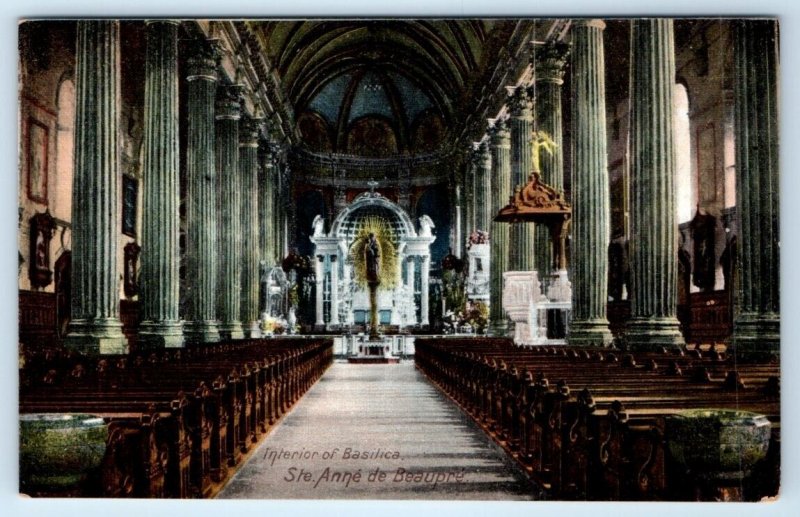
(550, 61)
(248, 130)
(499, 134)
(229, 102)
(520, 103)
(481, 155)
(203, 60)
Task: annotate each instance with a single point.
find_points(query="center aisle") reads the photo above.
(377, 432)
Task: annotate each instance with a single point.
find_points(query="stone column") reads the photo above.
(229, 210)
(498, 234)
(756, 329)
(410, 285)
(654, 230)
(319, 272)
(334, 290)
(425, 273)
(469, 197)
(201, 214)
(160, 286)
(95, 327)
(267, 208)
(457, 232)
(483, 188)
(549, 62)
(520, 238)
(590, 197)
(248, 181)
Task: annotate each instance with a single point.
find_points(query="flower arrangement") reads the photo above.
(478, 237)
(272, 326)
(452, 263)
(296, 262)
(476, 315)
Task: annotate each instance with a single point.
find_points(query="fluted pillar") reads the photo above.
(250, 252)
(319, 272)
(498, 235)
(410, 274)
(521, 235)
(266, 208)
(483, 188)
(201, 214)
(335, 290)
(160, 285)
(590, 197)
(654, 230)
(549, 62)
(469, 196)
(756, 328)
(425, 275)
(229, 211)
(95, 327)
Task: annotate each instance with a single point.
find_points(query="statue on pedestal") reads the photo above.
(372, 263)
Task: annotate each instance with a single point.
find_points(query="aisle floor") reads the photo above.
(377, 432)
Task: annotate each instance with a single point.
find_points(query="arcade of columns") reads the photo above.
(654, 232)
(227, 165)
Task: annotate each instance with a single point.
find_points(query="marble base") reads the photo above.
(252, 330)
(161, 334)
(201, 332)
(589, 333)
(652, 334)
(756, 337)
(498, 329)
(231, 331)
(97, 337)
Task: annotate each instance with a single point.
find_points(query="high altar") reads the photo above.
(340, 302)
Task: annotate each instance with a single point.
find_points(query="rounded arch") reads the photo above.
(65, 132)
(372, 136)
(428, 131)
(685, 175)
(315, 131)
(346, 224)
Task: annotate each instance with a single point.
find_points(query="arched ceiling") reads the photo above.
(394, 69)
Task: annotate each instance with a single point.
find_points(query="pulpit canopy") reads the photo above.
(535, 202)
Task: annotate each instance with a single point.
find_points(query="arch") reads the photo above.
(685, 175)
(367, 204)
(315, 131)
(65, 132)
(372, 136)
(428, 132)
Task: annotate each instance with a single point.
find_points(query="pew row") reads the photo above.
(179, 422)
(591, 423)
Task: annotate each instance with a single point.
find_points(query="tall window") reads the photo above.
(62, 208)
(685, 179)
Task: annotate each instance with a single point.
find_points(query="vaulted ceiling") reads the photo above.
(403, 85)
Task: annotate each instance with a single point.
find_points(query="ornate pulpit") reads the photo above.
(541, 318)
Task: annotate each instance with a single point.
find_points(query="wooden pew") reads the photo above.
(605, 439)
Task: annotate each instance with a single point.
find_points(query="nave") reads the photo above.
(385, 411)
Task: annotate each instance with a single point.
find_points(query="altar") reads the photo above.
(340, 302)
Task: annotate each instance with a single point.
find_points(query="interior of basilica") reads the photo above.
(490, 258)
